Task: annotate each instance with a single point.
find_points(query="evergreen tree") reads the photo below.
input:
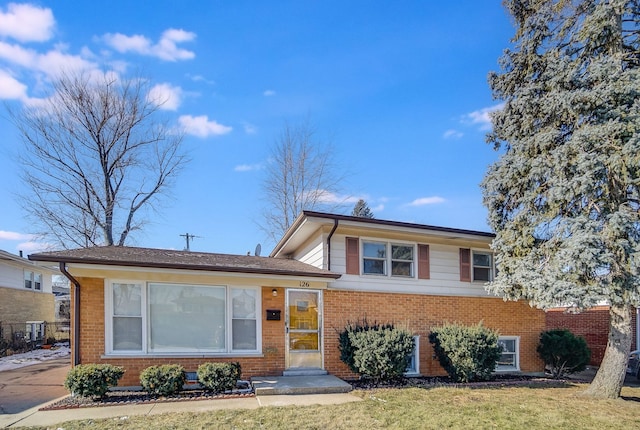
(361, 209)
(564, 196)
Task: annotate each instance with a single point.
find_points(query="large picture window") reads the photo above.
(161, 318)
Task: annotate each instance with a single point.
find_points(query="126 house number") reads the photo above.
(304, 284)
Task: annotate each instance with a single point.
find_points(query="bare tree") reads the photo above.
(301, 175)
(96, 158)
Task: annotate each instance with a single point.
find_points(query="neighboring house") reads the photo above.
(26, 298)
(593, 326)
(282, 314)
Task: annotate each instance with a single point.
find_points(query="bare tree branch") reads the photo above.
(301, 175)
(95, 154)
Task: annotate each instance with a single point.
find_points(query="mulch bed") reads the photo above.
(121, 397)
(443, 381)
(116, 398)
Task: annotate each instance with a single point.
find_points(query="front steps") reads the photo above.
(299, 384)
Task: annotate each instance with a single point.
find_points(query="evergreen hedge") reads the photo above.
(563, 352)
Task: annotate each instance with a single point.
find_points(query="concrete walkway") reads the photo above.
(35, 417)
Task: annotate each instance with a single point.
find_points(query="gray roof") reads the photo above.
(187, 260)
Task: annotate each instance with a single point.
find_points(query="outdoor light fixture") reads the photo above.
(274, 292)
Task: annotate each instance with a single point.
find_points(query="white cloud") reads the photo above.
(11, 88)
(165, 49)
(50, 63)
(452, 134)
(200, 78)
(250, 128)
(201, 126)
(324, 196)
(12, 235)
(30, 247)
(166, 96)
(423, 201)
(269, 93)
(26, 23)
(247, 167)
(378, 208)
(482, 116)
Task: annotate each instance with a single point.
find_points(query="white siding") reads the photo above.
(312, 253)
(444, 274)
(12, 276)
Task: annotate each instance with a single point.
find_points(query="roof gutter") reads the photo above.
(333, 230)
(76, 313)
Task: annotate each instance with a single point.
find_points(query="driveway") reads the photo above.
(26, 387)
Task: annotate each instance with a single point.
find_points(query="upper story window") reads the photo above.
(33, 280)
(28, 279)
(482, 266)
(377, 257)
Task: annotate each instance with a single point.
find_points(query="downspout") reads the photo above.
(333, 230)
(637, 328)
(76, 313)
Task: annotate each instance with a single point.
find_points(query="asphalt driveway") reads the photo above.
(26, 387)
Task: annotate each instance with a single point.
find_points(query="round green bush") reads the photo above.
(163, 380)
(563, 352)
(467, 353)
(219, 377)
(92, 380)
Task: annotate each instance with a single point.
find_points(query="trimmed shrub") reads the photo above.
(467, 353)
(219, 377)
(379, 351)
(163, 380)
(563, 352)
(345, 346)
(92, 380)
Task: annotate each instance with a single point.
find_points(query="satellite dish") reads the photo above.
(258, 250)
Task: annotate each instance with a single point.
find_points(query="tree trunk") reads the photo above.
(610, 377)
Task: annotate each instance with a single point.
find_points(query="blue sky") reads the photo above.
(399, 88)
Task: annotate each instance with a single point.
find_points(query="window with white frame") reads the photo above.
(509, 358)
(28, 279)
(37, 281)
(414, 362)
(482, 266)
(179, 318)
(378, 256)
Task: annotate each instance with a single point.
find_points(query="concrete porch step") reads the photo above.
(308, 384)
(304, 371)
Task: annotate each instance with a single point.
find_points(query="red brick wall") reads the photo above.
(419, 313)
(593, 325)
(92, 342)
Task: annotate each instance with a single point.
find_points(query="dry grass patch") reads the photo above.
(415, 408)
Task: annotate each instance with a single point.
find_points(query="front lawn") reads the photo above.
(415, 408)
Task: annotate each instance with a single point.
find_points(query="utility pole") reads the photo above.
(188, 237)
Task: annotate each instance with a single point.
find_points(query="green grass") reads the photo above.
(415, 408)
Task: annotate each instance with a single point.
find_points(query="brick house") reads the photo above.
(282, 314)
(592, 325)
(26, 298)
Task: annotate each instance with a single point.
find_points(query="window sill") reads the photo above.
(507, 370)
(113, 355)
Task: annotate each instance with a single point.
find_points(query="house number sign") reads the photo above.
(304, 284)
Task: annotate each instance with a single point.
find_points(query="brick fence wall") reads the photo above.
(593, 325)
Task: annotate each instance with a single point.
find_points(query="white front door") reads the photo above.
(304, 329)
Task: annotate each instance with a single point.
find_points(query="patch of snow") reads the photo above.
(36, 356)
